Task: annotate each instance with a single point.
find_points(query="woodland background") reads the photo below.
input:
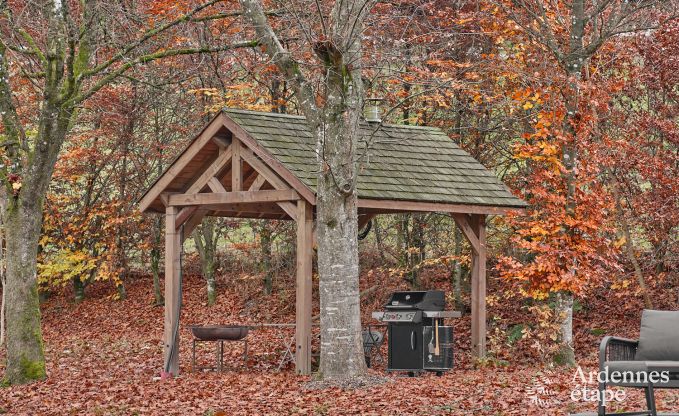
(482, 72)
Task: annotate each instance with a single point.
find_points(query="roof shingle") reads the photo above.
(409, 163)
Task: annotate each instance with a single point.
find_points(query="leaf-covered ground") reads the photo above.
(104, 358)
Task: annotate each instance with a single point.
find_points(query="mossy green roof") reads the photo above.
(409, 163)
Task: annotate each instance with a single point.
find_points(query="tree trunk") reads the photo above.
(78, 289)
(574, 64)
(155, 261)
(629, 245)
(564, 311)
(265, 242)
(25, 356)
(379, 243)
(3, 282)
(341, 347)
(335, 128)
(457, 268)
(206, 244)
(337, 215)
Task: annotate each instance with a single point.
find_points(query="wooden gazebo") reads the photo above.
(248, 164)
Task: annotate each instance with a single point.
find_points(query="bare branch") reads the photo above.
(146, 36)
(254, 13)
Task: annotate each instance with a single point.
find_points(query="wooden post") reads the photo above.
(236, 167)
(303, 293)
(478, 224)
(172, 293)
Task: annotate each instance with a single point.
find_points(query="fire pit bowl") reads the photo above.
(219, 332)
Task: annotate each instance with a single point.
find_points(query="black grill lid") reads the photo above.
(431, 300)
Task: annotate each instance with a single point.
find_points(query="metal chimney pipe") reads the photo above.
(372, 112)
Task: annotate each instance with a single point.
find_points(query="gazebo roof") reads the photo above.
(405, 163)
(397, 163)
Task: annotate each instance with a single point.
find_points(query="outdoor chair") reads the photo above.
(372, 341)
(656, 351)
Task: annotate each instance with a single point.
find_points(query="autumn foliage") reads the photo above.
(602, 226)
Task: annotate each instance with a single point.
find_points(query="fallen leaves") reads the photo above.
(104, 358)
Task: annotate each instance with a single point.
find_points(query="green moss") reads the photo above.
(598, 332)
(32, 370)
(565, 357)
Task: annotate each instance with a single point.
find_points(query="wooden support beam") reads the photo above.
(242, 197)
(218, 165)
(194, 221)
(414, 206)
(172, 294)
(478, 225)
(180, 163)
(216, 186)
(251, 143)
(257, 183)
(222, 142)
(184, 215)
(250, 178)
(252, 207)
(262, 169)
(236, 166)
(463, 221)
(304, 283)
(267, 175)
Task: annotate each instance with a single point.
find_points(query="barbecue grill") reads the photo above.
(417, 339)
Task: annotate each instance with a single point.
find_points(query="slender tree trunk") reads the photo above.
(457, 268)
(564, 310)
(574, 63)
(78, 289)
(3, 281)
(629, 245)
(206, 244)
(379, 243)
(155, 261)
(3, 302)
(265, 241)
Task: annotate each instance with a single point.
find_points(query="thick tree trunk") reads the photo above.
(337, 216)
(335, 128)
(341, 349)
(25, 356)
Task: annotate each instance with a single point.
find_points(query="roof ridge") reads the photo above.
(262, 113)
(299, 117)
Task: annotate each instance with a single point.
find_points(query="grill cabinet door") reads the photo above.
(405, 347)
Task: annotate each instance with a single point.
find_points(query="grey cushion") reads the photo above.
(659, 337)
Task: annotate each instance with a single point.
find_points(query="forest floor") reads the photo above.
(104, 357)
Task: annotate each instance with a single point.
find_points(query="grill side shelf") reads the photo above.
(427, 314)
